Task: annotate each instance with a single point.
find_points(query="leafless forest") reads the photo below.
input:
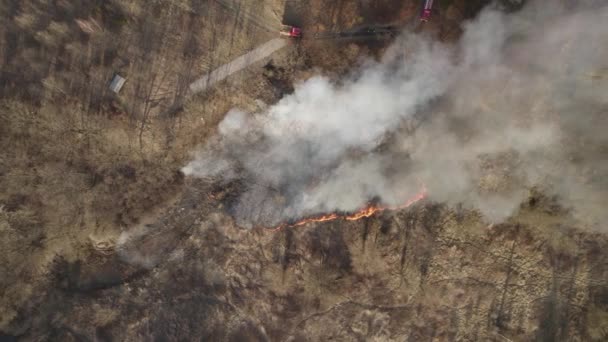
(103, 237)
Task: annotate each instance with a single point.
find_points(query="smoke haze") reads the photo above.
(519, 102)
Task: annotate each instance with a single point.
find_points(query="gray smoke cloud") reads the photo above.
(519, 102)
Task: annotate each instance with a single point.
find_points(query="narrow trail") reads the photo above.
(237, 65)
(273, 45)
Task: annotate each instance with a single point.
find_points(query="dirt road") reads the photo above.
(237, 64)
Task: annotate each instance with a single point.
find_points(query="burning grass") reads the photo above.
(364, 212)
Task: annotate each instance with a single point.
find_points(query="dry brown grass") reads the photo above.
(79, 164)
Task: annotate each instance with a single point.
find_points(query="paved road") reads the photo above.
(237, 64)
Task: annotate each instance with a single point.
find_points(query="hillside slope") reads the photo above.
(104, 238)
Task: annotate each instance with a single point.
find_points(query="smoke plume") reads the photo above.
(519, 102)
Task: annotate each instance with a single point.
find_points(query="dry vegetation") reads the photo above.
(79, 161)
(80, 164)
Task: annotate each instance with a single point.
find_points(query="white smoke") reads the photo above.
(126, 246)
(498, 113)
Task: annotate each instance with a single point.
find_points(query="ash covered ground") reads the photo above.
(148, 214)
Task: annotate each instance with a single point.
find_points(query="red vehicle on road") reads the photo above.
(426, 11)
(291, 31)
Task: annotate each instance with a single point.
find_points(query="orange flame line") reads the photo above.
(364, 212)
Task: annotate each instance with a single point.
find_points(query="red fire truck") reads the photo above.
(426, 10)
(291, 31)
